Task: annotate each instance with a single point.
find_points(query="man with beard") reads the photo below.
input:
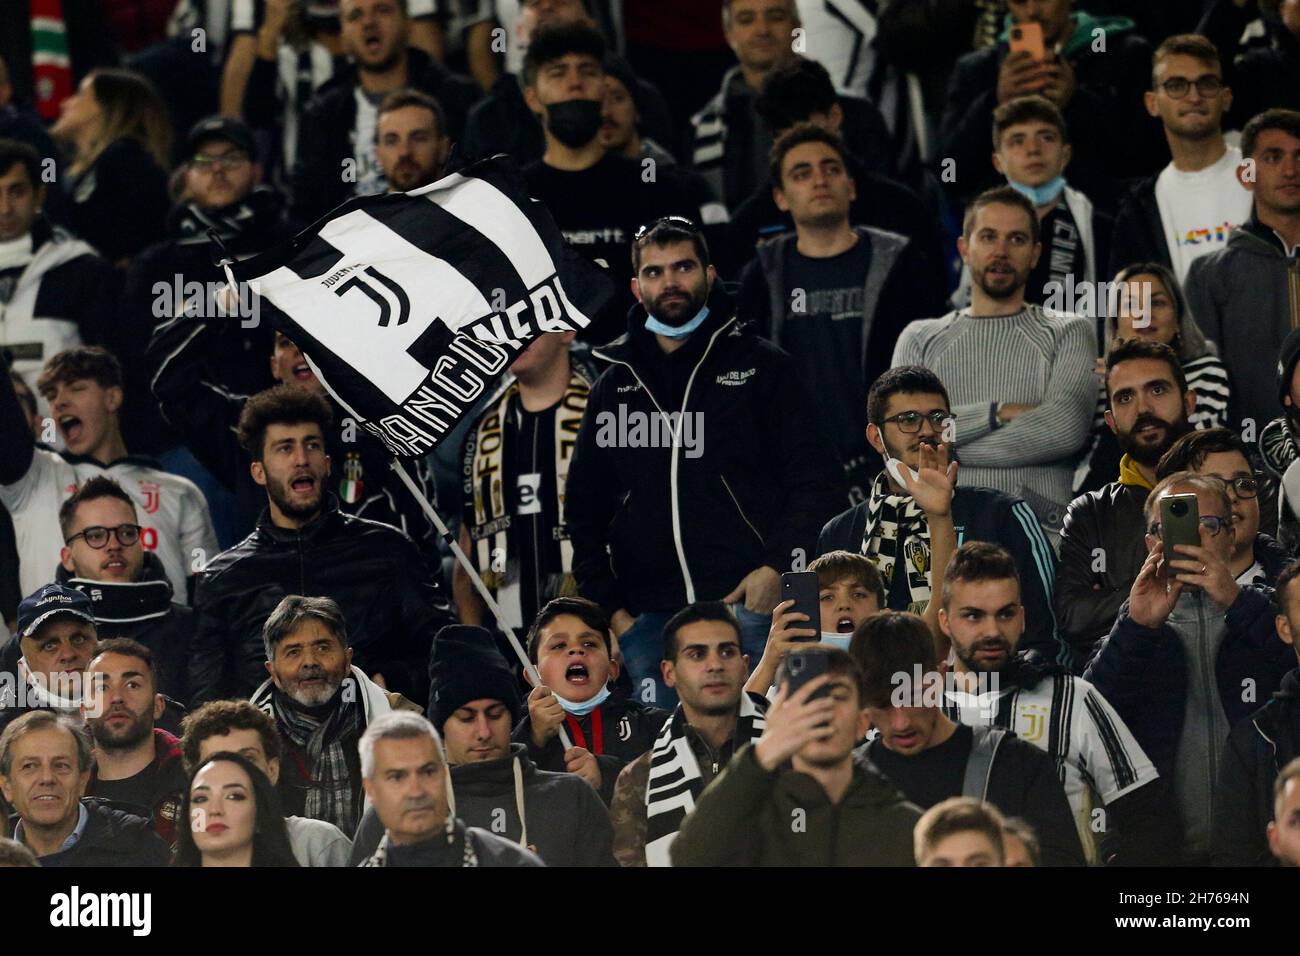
(335, 157)
(493, 783)
(136, 763)
(802, 770)
(56, 633)
(411, 141)
(661, 514)
(405, 776)
(1021, 378)
(898, 524)
(715, 718)
(1101, 541)
(321, 703)
(597, 198)
(995, 684)
(1190, 654)
(303, 542)
(1256, 558)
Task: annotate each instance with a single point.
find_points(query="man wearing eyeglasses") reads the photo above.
(1190, 207)
(1191, 653)
(907, 408)
(1256, 558)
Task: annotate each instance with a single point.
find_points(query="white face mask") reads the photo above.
(895, 468)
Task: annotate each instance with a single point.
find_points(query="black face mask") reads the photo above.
(574, 122)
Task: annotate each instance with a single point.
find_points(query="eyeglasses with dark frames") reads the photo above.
(909, 423)
(97, 535)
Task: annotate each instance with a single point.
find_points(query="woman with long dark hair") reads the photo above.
(232, 817)
(119, 134)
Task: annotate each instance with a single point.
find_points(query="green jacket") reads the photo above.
(749, 817)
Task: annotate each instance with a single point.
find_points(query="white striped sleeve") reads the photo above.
(1208, 378)
(1115, 760)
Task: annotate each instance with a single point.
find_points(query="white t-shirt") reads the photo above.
(1199, 209)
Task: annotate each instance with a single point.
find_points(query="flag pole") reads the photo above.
(529, 668)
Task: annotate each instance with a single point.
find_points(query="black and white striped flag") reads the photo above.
(409, 306)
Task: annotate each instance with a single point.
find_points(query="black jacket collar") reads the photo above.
(638, 346)
(329, 518)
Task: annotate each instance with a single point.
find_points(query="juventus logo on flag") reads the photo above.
(409, 306)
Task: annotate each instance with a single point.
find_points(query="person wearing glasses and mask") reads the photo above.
(915, 500)
(1218, 452)
(1191, 653)
(104, 558)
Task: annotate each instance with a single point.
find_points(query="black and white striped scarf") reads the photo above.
(675, 780)
(896, 526)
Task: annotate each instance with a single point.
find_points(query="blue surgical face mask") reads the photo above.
(587, 706)
(837, 640)
(676, 331)
(1039, 195)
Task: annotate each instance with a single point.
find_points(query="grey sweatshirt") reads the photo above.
(1030, 357)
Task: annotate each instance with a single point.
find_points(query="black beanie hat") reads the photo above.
(1286, 364)
(465, 665)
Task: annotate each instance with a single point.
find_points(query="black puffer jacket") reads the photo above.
(113, 837)
(392, 602)
(753, 478)
(1258, 748)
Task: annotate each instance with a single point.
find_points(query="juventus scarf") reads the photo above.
(495, 493)
(409, 306)
(675, 779)
(330, 796)
(897, 528)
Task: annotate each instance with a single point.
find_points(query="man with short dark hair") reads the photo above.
(411, 141)
(994, 683)
(239, 727)
(45, 764)
(1245, 293)
(391, 600)
(1101, 539)
(1259, 748)
(136, 763)
(321, 703)
(598, 198)
(84, 387)
(715, 717)
(493, 783)
(1021, 378)
(802, 767)
(930, 757)
(1189, 208)
(337, 132)
(661, 514)
(1218, 452)
(832, 294)
(909, 420)
(1190, 654)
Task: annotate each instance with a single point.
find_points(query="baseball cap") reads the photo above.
(49, 601)
(221, 127)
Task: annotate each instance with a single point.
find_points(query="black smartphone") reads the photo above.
(802, 668)
(802, 588)
(1180, 523)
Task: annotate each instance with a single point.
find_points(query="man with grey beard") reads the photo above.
(321, 704)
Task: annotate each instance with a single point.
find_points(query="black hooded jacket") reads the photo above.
(752, 480)
(391, 600)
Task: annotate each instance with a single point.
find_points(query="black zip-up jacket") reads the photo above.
(1142, 672)
(1021, 782)
(1258, 748)
(325, 133)
(653, 528)
(392, 602)
(628, 729)
(1139, 233)
(114, 836)
(979, 514)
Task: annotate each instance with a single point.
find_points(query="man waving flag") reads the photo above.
(409, 306)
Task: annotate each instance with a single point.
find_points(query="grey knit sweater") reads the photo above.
(1032, 358)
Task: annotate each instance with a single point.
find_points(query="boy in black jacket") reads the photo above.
(930, 757)
(571, 645)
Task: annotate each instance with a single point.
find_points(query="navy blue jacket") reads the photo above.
(1143, 672)
(981, 514)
